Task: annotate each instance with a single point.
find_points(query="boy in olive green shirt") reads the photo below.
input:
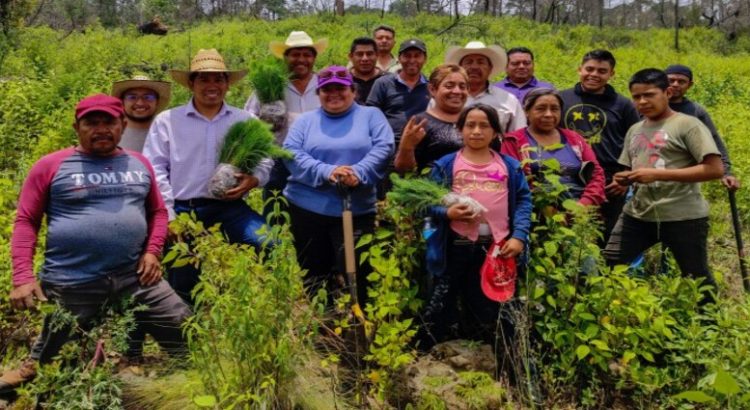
(668, 154)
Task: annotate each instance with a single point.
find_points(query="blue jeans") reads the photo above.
(238, 222)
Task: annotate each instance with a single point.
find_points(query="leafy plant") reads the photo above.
(250, 324)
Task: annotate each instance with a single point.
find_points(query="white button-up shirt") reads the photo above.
(183, 146)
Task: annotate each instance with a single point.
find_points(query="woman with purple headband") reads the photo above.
(340, 142)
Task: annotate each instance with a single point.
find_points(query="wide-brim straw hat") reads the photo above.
(297, 39)
(496, 54)
(162, 88)
(207, 61)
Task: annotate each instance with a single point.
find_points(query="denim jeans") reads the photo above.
(162, 317)
(238, 222)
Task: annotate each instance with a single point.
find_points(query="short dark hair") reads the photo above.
(599, 55)
(363, 41)
(193, 75)
(384, 27)
(314, 51)
(520, 50)
(532, 96)
(651, 76)
(489, 111)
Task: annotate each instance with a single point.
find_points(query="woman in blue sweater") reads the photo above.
(340, 141)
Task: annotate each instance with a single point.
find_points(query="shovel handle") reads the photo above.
(738, 239)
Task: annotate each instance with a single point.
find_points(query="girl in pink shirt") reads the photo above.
(458, 250)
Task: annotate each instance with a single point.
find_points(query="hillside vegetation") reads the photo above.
(653, 344)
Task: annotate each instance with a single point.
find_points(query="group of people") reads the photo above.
(138, 165)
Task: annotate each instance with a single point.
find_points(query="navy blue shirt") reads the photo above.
(397, 101)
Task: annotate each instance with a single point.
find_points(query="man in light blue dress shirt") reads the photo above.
(183, 145)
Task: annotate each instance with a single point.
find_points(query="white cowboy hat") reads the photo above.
(496, 54)
(297, 39)
(207, 61)
(162, 88)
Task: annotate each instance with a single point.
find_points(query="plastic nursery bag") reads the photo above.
(223, 180)
(453, 198)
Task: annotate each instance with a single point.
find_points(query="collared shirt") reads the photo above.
(183, 146)
(520, 92)
(398, 101)
(508, 108)
(392, 67)
(296, 102)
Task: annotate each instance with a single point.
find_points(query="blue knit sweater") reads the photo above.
(320, 142)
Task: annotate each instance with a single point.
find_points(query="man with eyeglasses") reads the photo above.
(142, 99)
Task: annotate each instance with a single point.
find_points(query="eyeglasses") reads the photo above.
(145, 97)
(330, 74)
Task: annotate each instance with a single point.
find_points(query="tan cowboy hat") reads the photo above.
(297, 39)
(207, 61)
(496, 54)
(162, 88)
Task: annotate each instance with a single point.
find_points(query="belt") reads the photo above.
(481, 240)
(196, 202)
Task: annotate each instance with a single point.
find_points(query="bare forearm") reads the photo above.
(405, 160)
(710, 168)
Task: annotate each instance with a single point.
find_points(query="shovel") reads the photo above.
(738, 239)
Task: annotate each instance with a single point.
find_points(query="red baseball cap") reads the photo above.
(99, 102)
(499, 284)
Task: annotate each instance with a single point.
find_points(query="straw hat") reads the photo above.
(207, 61)
(297, 39)
(496, 54)
(162, 88)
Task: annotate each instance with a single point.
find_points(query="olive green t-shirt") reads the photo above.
(680, 141)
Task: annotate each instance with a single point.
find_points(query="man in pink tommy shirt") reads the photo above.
(106, 226)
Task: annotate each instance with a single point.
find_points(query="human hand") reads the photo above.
(345, 174)
(511, 248)
(731, 182)
(461, 212)
(22, 297)
(245, 183)
(149, 269)
(413, 133)
(615, 189)
(641, 176)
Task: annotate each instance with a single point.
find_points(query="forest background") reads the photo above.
(54, 53)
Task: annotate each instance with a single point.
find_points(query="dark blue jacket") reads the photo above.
(519, 209)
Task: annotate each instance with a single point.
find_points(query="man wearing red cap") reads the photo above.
(106, 226)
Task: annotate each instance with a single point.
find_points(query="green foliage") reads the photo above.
(72, 380)
(269, 78)
(415, 195)
(250, 325)
(247, 143)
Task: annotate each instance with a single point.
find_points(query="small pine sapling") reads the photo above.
(245, 145)
(419, 194)
(269, 79)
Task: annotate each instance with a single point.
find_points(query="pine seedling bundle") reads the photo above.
(418, 194)
(415, 194)
(245, 145)
(269, 78)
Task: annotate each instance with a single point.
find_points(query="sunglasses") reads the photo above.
(337, 73)
(134, 98)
